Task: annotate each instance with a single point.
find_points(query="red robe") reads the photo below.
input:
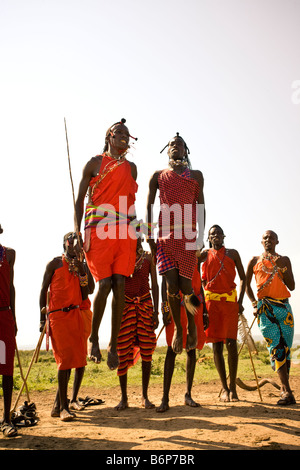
(66, 328)
(219, 273)
(7, 323)
(113, 189)
(177, 219)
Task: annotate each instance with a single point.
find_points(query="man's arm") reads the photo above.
(49, 271)
(153, 187)
(285, 269)
(154, 291)
(198, 176)
(249, 275)
(241, 272)
(89, 171)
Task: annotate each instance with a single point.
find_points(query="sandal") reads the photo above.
(88, 401)
(8, 430)
(286, 399)
(25, 415)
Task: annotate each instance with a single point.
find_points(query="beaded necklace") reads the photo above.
(107, 169)
(272, 272)
(72, 269)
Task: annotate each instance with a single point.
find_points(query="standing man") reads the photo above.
(110, 241)
(274, 279)
(223, 305)
(201, 323)
(181, 193)
(8, 331)
(140, 319)
(67, 282)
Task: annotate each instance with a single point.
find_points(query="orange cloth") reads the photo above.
(276, 288)
(116, 253)
(66, 328)
(196, 283)
(219, 273)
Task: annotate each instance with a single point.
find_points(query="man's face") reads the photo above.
(119, 138)
(176, 149)
(269, 241)
(216, 236)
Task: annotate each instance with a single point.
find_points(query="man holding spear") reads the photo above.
(8, 331)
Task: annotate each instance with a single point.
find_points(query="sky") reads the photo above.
(225, 74)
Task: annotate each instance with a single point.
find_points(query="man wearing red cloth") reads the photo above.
(8, 331)
(223, 305)
(67, 282)
(110, 241)
(140, 318)
(181, 196)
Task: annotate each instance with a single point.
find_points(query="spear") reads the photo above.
(73, 193)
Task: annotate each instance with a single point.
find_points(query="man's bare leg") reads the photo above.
(220, 365)
(146, 369)
(187, 289)
(118, 303)
(98, 310)
(233, 365)
(190, 372)
(124, 399)
(174, 300)
(168, 374)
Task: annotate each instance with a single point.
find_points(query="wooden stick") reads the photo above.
(22, 375)
(37, 349)
(254, 371)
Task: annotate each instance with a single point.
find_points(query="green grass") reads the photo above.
(43, 374)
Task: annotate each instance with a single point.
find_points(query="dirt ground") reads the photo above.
(250, 424)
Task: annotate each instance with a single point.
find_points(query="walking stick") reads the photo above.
(21, 372)
(36, 352)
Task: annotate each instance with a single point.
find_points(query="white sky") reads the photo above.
(220, 72)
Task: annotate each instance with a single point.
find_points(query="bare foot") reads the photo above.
(65, 415)
(112, 358)
(224, 395)
(190, 402)
(122, 405)
(74, 405)
(55, 412)
(233, 396)
(164, 406)
(177, 342)
(94, 352)
(147, 404)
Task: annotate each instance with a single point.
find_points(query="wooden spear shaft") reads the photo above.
(37, 349)
(73, 193)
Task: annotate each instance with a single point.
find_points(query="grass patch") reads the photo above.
(43, 374)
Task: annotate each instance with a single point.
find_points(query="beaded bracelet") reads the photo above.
(83, 280)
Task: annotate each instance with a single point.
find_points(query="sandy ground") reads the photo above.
(250, 424)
